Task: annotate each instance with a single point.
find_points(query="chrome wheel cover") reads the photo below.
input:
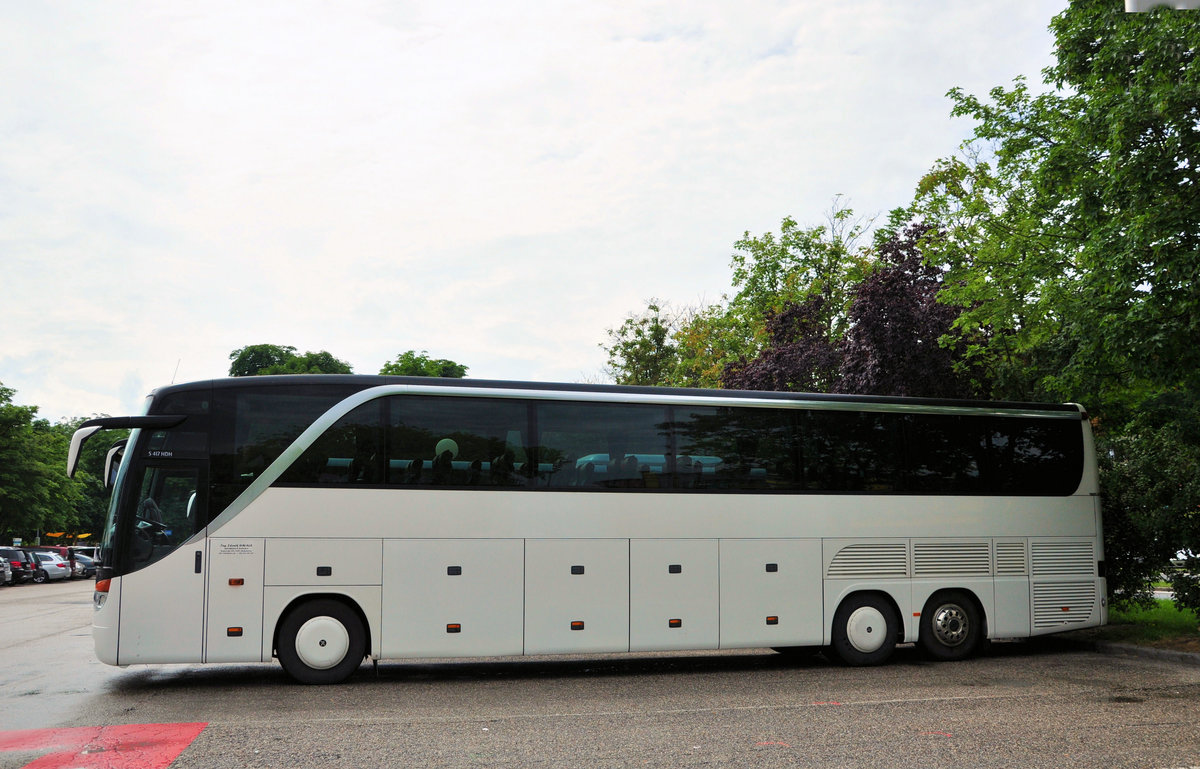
(951, 625)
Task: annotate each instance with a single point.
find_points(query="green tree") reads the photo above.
(35, 494)
(641, 351)
(410, 363)
(263, 359)
(1152, 499)
(1069, 230)
(1074, 249)
(827, 260)
(691, 347)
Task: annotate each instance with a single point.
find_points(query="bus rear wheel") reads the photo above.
(864, 630)
(321, 642)
(950, 626)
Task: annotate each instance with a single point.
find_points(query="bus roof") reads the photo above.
(364, 381)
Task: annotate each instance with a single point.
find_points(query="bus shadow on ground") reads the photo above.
(215, 677)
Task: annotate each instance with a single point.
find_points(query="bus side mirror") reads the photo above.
(81, 435)
(112, 462)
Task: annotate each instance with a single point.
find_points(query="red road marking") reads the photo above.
(131, 746)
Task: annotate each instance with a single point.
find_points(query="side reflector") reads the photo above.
(233, 632)
(577, 625)
(772, 620)
(236, 581)
(103, 585)
(674, 623)
(454, 627)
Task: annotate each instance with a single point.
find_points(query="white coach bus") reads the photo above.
(322, 520)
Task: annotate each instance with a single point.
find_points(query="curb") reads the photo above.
(1133, 650)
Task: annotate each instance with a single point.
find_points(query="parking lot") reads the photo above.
(1021, 704)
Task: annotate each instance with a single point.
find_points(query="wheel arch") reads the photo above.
(979, 604)
(897, 603)
(300, 600)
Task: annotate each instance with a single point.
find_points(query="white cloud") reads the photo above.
(493, 183)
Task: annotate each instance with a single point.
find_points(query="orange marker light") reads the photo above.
(577, 625)
(236, 581)
(454, 627)
(103, 585)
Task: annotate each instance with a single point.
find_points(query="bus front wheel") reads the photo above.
(321, 642)
(864, 630)
(950, 626)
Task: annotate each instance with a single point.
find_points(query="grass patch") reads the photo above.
(1162, 625)
(1161, 620)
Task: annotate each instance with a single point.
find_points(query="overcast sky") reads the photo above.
(495, 183)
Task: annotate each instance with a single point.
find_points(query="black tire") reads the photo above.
(865, 628)
(321, 641)
(951, 626)
(41, 576)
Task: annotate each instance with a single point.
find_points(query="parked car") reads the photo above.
(18, 562)
(53, 567)
(6, 573)
(91, 551)
(85, 566)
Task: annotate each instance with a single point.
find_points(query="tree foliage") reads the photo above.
(891, 346)
(264, 359)
(1152, 499)
(410, 363)
(35, 494)
(1069, 231)
(691, 347)
(642, 351)
(1070, 228)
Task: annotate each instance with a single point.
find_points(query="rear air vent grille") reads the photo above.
(871, 560)
(1062, 603)
(943, 559)
(1011, 559)
(1063, 558)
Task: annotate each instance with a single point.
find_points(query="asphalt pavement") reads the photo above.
(1037, 704)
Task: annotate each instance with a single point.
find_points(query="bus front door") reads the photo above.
(162, 594)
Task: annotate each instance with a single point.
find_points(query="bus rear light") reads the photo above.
(100, 597)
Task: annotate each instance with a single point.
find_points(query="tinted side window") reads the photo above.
(252, 427)
(458, 442)
(946, 454)
(850, 451)
(1036, 456)
(736, 449)
(603, 446)
(349, 452)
